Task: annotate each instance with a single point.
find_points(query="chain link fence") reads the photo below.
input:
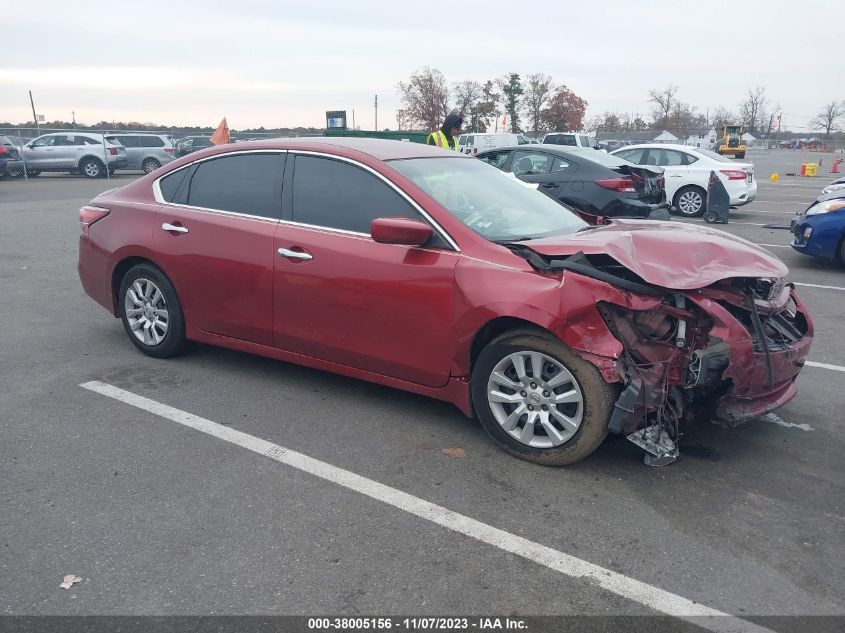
(30, 152)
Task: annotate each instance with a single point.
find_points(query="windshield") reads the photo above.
(495, 205)
(714, 155)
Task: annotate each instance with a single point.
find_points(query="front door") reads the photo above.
(342, 297)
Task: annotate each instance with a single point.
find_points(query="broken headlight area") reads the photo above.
(657, 350)
(725, 353)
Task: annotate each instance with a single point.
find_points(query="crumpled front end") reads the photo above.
(728, 353)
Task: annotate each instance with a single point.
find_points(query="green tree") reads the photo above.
(512, 91)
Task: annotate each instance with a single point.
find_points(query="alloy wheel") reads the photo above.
(91, 169)
(535, 399)
(146, 312)
(690, 202)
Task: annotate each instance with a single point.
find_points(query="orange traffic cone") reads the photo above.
(803, 171)
(835, 169)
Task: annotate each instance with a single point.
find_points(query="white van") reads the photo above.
(572, 139)
(476, 142)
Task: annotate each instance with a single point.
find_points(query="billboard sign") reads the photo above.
(336, 120)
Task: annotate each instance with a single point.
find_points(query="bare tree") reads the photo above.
(606, 123)
(828, 118)
(664, 101)
(425, 98)
(752, 111)
(721, 117)
(466, 94)
(538, 91)
(485, 110)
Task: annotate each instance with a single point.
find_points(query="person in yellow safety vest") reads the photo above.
(447, 136)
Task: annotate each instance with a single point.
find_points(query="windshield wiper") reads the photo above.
(512, 240)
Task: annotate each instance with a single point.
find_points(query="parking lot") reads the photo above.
(130, 472)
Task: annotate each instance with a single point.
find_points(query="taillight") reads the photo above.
(88, 215)
(617, 184)
(734, 174)
(474, 151)
(3, 150)
(113, 151)
(168, 150)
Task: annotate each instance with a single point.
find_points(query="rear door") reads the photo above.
(68, 149)
(214, 236)
(134, 151)
(676, 172)
(344, 298)
(547, 171)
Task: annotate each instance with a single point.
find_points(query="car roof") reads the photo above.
(379, 148)
(561, 150)
(677, 146)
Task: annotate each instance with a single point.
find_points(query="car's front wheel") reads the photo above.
(539, 400)
(151, 313)
(690, 202)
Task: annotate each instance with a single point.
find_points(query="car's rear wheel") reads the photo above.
(690, 201)
(842, 250)
(92, 168)
(151, 312)
(150, 165)
(540, 401)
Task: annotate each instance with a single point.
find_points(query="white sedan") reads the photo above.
(687, 173)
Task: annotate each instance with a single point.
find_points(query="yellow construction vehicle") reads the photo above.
(731, 143)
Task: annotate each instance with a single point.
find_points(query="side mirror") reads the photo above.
(400, 231)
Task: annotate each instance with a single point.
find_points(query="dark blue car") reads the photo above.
(820, 230)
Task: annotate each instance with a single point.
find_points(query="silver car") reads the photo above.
(76, 152)
(147, 152)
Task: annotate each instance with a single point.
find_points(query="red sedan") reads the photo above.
(412, 267)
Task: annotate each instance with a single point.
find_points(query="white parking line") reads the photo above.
(825, 366)
(798, 283)
(652, 597)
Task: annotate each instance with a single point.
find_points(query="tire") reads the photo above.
(92, 168)
(33, 174)
(842, 251)
(588, 408)
(150, 165)
(138, 301)
(14, 173)
(693, 199)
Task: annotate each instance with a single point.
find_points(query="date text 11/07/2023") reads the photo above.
(416, 624)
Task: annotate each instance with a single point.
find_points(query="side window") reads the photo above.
(559, 165)
(633, 155)
(151, 141)
(243, 183)
(337, 195)
(47, 141)
(689, 159)
(665, 157)
(66, 141)
(169, 185)
(84, 140)
(520, 140)
(128, 141)
(530, 163)
(497, 159)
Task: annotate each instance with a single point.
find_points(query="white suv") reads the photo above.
(687, 172)
(572, 139)
(76, 152)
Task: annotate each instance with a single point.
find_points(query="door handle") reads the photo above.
(676, 175)
(549, 185)
(295, 254)
(175, 229)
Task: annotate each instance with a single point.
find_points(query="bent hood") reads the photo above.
(671, 255)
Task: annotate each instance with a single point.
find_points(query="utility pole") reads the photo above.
(34, 116)
(73, 116)
(353, 119)
(376, 113)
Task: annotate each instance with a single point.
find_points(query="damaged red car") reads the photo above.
(412, 267)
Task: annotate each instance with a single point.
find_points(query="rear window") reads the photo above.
(602, 158)
(5, 140)
(714, 155)
(151, 141)
(202, 141)
(561, 139)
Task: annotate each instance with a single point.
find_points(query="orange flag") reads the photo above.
(221, 134)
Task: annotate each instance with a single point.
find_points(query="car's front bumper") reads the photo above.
(818, 235)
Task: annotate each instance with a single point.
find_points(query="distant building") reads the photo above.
(645, 136)
(705, 137)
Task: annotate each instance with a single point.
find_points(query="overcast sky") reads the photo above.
(277, 63)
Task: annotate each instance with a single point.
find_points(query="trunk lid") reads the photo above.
(671, 255)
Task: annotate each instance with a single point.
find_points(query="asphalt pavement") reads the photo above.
(158, 518)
